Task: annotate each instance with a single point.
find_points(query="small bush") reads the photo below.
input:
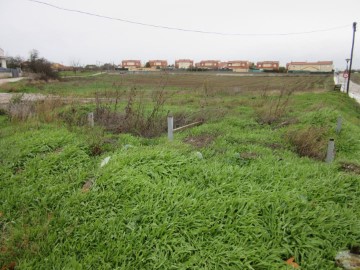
(3, 111)
(41, 67)
(96, 141)
(74, 115)
(309, 142)
(137, 117)
(271, 109)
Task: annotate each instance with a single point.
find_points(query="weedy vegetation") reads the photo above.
(247, 189)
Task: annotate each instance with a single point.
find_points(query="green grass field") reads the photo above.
(78, 73)
(233, 193)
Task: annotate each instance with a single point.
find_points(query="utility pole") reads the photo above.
(351, 57)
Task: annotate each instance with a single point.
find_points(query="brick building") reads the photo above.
(158, 63)
(208, 64)
(268, 65)
(131, 64)
(238, 66)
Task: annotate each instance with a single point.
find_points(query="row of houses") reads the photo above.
(235, 66)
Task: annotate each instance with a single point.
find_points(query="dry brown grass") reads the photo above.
(308, 142)
(44, 110)
(229, 84)
(21, 111)
(350, 167)
(200, 141)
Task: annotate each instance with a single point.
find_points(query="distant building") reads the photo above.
(184, 63)
(268, 65)
(238, 66)
(320, 66)
(60, 67)
(91, 67)
(208, 64)
(223, 65)
(2, 58)
(131, 64)
(158, 63)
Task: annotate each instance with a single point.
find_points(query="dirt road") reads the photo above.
(2, 81)
(6, 97)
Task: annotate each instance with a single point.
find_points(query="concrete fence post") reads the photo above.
(91, 119)
(330, 155)
(339, 124)
(170, 122)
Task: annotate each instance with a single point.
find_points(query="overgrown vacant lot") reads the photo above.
(188, 82)
(248, 189)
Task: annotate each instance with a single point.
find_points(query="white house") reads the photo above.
(184, 63)
(2, 59)
(320, 66)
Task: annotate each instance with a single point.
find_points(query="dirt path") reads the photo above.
(83, 76)
(2, 81)
(6, 97)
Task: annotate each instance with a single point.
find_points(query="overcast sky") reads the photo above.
(63, 36)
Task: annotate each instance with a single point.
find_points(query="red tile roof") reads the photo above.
(267, 62)
(209, 61)
(238, 61)
(184, 60)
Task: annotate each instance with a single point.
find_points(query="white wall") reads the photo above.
(184, 64)
(5, 75)
(3, 63)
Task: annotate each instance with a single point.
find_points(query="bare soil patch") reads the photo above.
(200, 141)
(249, 155)
(350, 167)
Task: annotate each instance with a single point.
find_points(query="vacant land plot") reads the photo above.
(179, 82)
(247, 189)
(77, 73)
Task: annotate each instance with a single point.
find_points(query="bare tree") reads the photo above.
(75, 63)
(14, 62)
(41, 66)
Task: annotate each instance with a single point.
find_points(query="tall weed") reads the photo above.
(272, 108)
(138, 116)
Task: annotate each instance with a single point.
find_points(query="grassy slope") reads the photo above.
(245, 205)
